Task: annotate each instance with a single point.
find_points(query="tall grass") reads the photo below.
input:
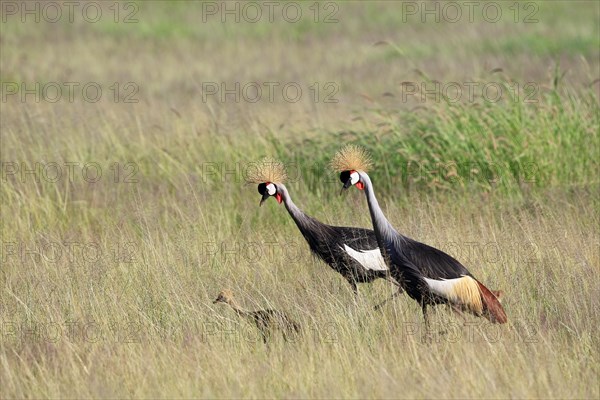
(457, 146)
(107, 285)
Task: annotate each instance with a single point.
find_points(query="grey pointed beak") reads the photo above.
(347, 184)
(265, 197)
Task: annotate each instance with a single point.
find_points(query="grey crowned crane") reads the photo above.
(352, 252)
(427, 274)
(265, 320)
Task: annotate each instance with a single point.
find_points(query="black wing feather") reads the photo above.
(357, 238)
(327, 242)
(431, 262)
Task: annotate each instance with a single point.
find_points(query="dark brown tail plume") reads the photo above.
(492, 309)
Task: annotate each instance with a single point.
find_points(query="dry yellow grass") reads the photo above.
(107, 281)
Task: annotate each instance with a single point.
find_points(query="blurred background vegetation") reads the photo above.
(519, 172)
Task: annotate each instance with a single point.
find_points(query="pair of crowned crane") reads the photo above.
(428, 275)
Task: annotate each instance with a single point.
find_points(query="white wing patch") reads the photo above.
(444, 287)
(370, 259)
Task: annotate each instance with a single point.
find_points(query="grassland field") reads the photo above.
(127, 135)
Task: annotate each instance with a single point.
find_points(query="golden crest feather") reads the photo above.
(351, 157)
(266, 170)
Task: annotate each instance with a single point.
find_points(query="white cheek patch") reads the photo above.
(271, 189)
(354, 178)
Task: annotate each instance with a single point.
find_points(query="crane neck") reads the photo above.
(316, 233)
(235, 306)
(300, 218)
(384, 231)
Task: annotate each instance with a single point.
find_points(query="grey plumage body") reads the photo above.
(428, 275)
(352, 252)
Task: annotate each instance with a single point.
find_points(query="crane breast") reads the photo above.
(369, 259)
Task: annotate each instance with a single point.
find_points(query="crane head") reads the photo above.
(350, 178)
(268, 189)
(225, 296)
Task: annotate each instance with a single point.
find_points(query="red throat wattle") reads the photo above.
(360, 185)
(278, 197)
